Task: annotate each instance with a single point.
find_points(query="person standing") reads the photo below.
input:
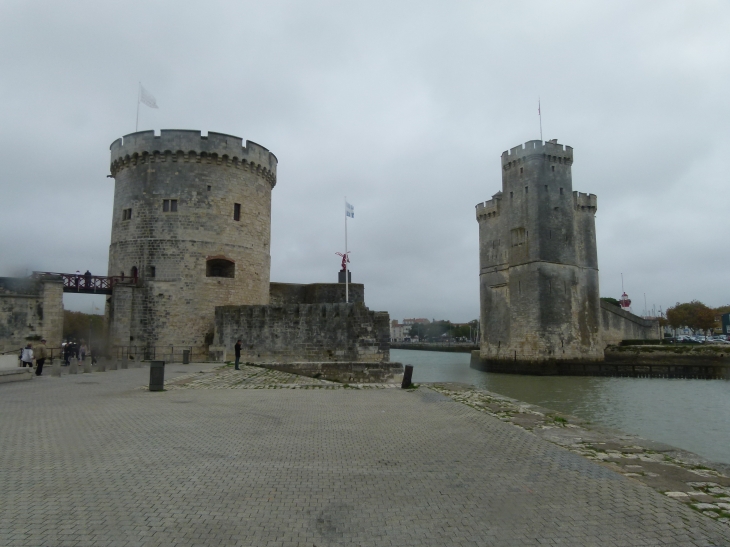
(87, 279)
(40, 355)
(237, 350)
(27, 356)
(82, 351)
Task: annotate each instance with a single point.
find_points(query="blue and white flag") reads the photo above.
(349, 210)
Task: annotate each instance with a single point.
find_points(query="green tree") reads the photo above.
(694, 315)
(77, 326)
(417, 330)
(610, 300)
(462, 331)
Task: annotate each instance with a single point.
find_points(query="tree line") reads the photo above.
(695, 315)
(78, 326)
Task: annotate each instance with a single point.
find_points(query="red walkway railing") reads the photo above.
(89, 284)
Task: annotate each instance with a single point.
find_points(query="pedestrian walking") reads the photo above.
(237, 350)
(67, 353)
(40, 355)
(26, 357)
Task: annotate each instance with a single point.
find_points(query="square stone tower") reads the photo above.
(538, 264)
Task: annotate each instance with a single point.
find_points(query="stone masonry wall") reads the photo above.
(618, 325)
(304, 333)
(538, 261)
(30, 309)
(314, 293)
(173, 251)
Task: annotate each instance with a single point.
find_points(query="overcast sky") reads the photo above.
(403, 107)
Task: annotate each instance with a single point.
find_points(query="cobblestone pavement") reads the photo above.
(676, 473)
(95, 460)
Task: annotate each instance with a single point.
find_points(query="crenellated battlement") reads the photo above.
(585, 202)
(550, 149)
(191, 146)
(489, 209)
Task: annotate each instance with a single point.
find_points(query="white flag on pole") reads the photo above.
(349, 210)
(147, 98)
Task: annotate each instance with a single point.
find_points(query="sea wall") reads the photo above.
(345, 372)
(617, 325)
(303, 333)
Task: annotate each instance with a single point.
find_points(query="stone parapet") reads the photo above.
(314, 293)
(550, 149)
(304, 333)
(175, 145)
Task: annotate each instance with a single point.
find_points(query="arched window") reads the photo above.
(134, 272)
(220, 267)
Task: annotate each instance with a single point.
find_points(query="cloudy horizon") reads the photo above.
(405, 108)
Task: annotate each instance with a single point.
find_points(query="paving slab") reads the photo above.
(98, 460)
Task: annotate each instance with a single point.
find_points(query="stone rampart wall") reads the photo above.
(304, 333)
(30, 309)
(314, 293)
(618, 325)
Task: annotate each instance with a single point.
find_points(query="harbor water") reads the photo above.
(690, 414)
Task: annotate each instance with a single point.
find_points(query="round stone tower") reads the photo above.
(191, 231)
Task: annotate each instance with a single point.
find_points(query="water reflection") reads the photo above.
(689, 414)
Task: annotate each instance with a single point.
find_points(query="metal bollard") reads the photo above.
(87, 366)
(407, 375)
(186, 357)
(56, 368)
(73, 367)
(157, 375)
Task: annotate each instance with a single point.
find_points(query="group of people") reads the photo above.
(27, 355)
(86, 279)
(72, 349)
(40, 354)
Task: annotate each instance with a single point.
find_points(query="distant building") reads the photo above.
(421, 320)
(399, 332)
(726, 323)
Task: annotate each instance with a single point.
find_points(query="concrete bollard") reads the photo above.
(101, 365)
(408, 374)
(112, 364)
(157, 375)
(124, 363)
(87, 366)
(56, 368)
(73, 367)
(138, 361)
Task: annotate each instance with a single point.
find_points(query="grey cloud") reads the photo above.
(404, 107)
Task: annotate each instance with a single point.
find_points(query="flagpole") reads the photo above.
(539, 113)
(347, 281)
(139, 91)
